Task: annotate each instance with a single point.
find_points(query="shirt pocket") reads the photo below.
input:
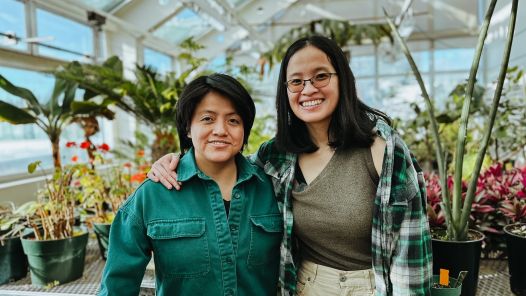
(265, 239)
(180, 247)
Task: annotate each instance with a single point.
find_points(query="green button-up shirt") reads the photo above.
(196, 248)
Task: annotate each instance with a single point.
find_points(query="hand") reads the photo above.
(164, 170)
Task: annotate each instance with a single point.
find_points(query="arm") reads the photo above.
(411, 268)
(163, 170)
(128, 255)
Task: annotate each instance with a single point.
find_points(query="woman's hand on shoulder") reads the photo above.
(163, 170)
(377, 151)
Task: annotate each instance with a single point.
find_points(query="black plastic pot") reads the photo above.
(55, 260)
(13, 262)
(102, 230)
(458, 256)
(446, 291)
(516, 260)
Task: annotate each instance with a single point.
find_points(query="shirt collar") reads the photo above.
(188, 168)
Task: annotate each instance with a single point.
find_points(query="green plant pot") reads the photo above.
(516, 245)
(13, 261)
(102, 230)
(55, 260)
(446, 291)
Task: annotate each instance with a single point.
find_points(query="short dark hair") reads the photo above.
(196, 90)
(352, 123)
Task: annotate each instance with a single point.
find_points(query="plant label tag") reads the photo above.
(444, 277)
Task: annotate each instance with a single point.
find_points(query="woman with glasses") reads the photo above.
(351, 194)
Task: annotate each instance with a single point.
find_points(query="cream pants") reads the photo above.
(319, 280)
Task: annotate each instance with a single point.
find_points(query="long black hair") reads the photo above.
(352, 123)
(196, 90)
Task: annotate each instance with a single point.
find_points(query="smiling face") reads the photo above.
(312, 105)
(216, 130)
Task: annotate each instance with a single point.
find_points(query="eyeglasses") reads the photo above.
(318, 81)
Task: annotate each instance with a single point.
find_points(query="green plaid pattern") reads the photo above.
(401, 242)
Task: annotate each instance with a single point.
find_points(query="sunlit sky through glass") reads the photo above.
(185, 24)
(12, 22)
(64, 33)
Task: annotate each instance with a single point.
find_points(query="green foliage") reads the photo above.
(457, 210)
(60, 110)
(342, 32)
(151, 97)
(509, 136)
(12, 220)
(54, 209)
(262, 131)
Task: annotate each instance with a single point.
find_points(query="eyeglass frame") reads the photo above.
(310, 80)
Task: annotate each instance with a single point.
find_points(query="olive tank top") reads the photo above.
(333, 215)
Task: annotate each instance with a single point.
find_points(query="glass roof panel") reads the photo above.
(236, 3)
(106, 5)
(185, 24)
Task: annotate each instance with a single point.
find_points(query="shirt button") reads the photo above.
(229, 260)
(343, 278)
(236, 195)
(229, 292)
(233, 227)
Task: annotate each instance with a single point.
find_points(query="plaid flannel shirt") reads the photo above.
(401, 242)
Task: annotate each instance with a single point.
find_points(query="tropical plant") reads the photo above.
(54, 115)
(418, 135)
(508, 143)
(458, 208)
(342, 32)
(52, 215)
(500, 199)
(151, 97)
(12, 221)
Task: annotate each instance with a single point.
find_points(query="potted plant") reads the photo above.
(104, 189)
(13, 262)
(51, 115)
(55, 249)
(444, 285)
(151, 97)
(515, 210)
(451, 249)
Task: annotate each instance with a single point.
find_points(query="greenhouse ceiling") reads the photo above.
(250, 27)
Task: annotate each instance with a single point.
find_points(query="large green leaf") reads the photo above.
(15, 115)
(69, 95)
(91, 108)
(21, 92)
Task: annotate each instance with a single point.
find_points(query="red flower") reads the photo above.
(104, 147)
(140, 153)
(139, 177)
(71, 144)
(85, 145)
(127, 165)
(74, 158)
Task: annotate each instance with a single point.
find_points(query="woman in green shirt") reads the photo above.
(221, 234)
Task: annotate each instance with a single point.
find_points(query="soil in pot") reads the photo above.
(52, 261)
(516, 243)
